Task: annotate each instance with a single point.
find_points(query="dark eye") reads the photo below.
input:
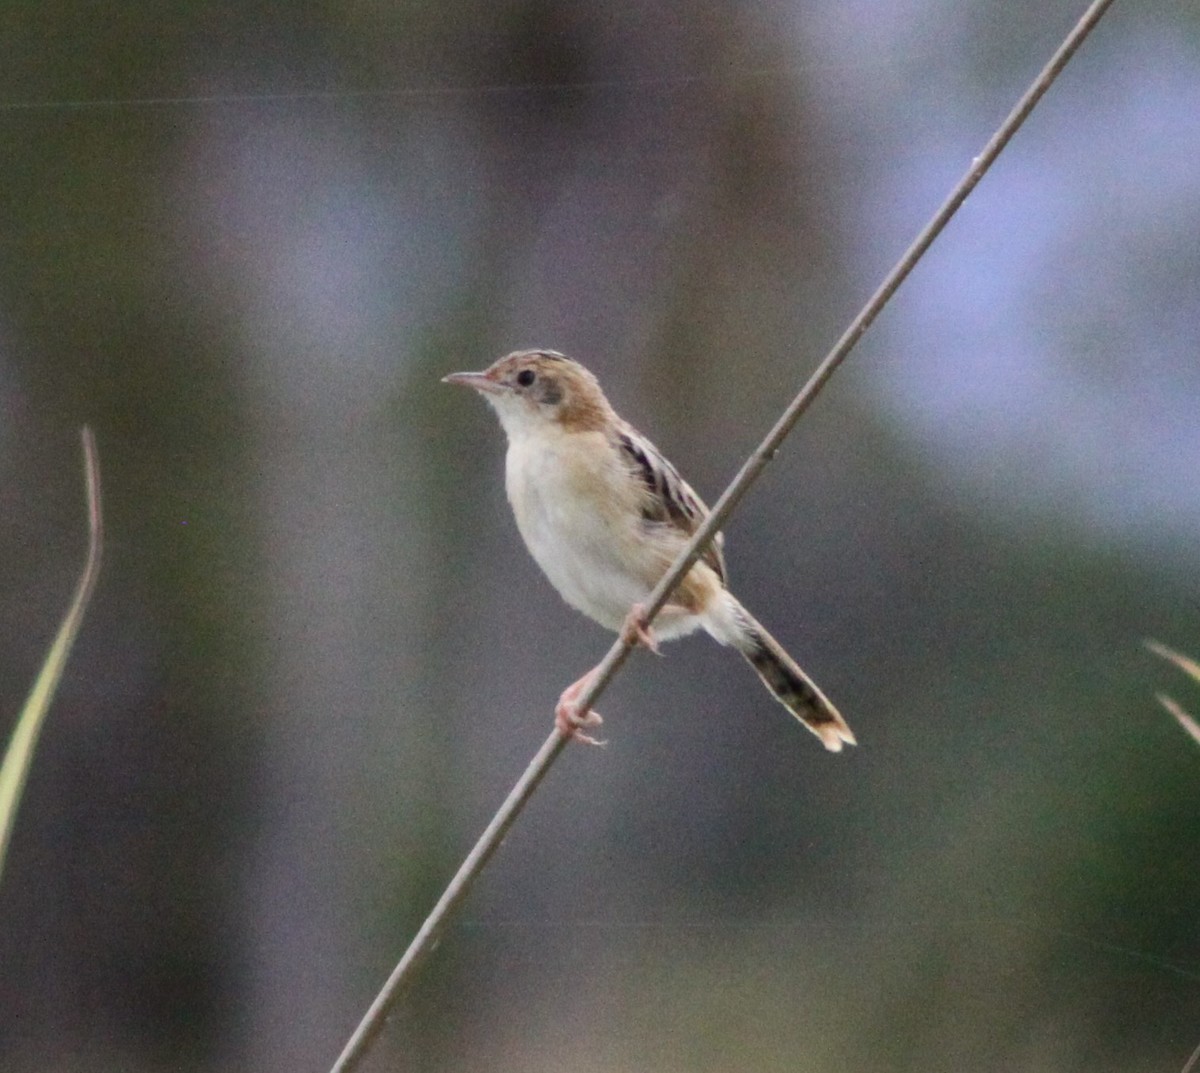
(526, 377)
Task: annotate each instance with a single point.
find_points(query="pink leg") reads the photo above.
(567, 717)
(636, 630)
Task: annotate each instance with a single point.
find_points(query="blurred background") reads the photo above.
(244, 242)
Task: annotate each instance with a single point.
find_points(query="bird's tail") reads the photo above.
(732, 624)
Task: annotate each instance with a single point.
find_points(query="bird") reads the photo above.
(604, 514)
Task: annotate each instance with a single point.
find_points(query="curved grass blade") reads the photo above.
(19, 755)
(1188, 666)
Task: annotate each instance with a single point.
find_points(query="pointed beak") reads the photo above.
(479, 381)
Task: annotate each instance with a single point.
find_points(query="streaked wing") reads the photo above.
(669, 499)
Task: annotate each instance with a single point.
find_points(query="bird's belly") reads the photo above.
(579, 552)
(582, 531)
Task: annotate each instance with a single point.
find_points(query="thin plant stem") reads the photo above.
(1188, 666)
(1190, 726)
(426, 939)
(19, 755)
(1191, 1062)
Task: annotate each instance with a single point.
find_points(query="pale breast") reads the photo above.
(578, 513)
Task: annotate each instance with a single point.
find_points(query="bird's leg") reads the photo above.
(635, 630)
(567, 716)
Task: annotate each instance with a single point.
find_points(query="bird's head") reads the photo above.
(531, 389)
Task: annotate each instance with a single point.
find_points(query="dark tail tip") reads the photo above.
(798, 693)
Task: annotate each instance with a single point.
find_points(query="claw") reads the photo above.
(567, 717)
(570, 723)
(636, 630)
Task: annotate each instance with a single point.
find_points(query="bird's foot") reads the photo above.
(635, 630)
(569, 720)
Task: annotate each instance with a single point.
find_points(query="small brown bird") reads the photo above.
(604, 515)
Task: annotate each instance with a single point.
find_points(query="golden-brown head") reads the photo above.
(529, 389)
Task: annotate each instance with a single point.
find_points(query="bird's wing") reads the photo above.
(668, 499)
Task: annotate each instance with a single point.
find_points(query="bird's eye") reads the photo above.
(526, 377)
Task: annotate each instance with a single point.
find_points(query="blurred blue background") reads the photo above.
(244, 243)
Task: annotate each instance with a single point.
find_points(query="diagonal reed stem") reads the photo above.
(425, 940)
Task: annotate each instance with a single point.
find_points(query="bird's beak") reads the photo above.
(479, 381)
